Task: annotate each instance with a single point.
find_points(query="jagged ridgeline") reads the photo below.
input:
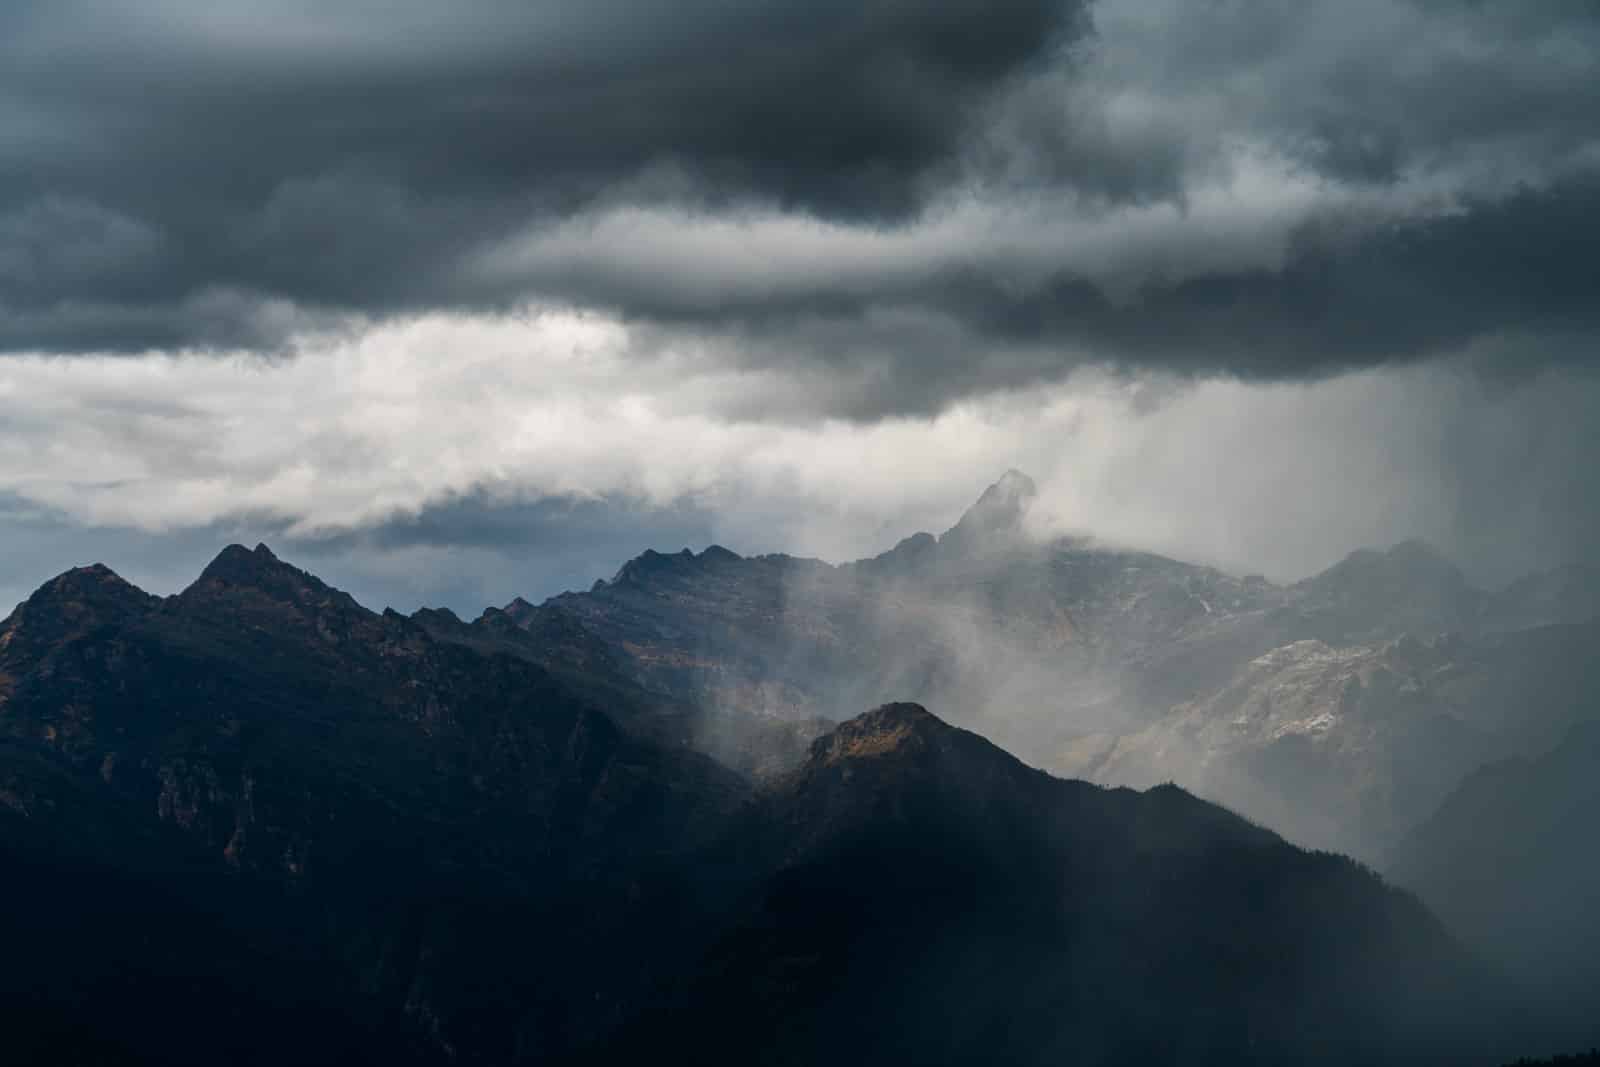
(1340, 710)
(257, 822)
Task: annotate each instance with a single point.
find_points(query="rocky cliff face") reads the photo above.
(1349, 747)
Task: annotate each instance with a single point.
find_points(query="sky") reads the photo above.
(455, 302)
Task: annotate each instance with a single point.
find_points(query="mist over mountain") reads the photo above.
(649, 666)
(1508, 861)
(1349, 746)
(936, 901)
(1340, 709)
(333, 835)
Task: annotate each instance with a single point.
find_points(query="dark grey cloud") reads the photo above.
(1366, 90)
(1507, 283)
(169, 152)
(1520, 265)
(783, 226)
(1397, 179)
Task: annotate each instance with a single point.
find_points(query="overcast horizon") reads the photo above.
(474, 301)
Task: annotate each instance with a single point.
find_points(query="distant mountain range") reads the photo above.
(256, 822)
(1339, 710)
(1509, 861)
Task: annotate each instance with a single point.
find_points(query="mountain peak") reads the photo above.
(96, 585)
(440, 617)
(1417, 551)
(651, 564)
(718, 554)
(1411, 586)
(263, 574)
(69, 604)
(886, 729)
(995, 521)
(1015, 480)
(518, 611)
(96, 579)
(238, 565)
(1409, 561)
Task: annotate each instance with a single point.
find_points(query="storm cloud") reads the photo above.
(546, 451)
(957, 196)
(348, 159)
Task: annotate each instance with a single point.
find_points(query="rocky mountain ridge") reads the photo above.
(1349, 747)
(1118, 665)
(915, 864)
(630, 818)
(336, 836)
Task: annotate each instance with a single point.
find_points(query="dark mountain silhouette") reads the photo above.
(755, 744)
(925, 898)
(256, 822)
(75, 603)
(1509, 861)
(1582, 1059)
(402, 822)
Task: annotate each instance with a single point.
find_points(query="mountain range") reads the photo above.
(1339, 710)
(258, 822)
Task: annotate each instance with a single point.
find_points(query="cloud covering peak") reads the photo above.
(1251, 281)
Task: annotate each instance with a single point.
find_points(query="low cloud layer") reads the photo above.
(550, 447)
